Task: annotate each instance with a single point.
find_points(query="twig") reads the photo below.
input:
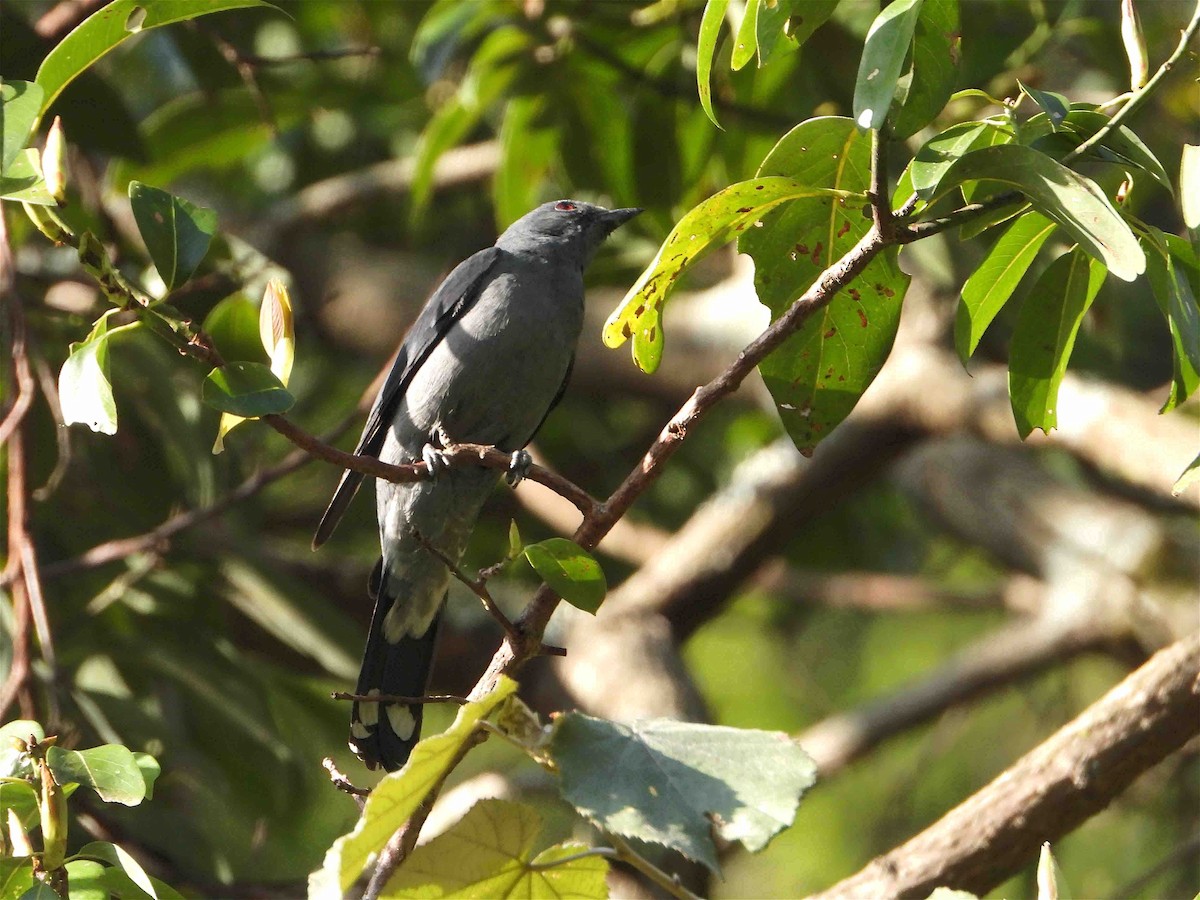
(1139, 97)
(652, 873)
(62, 435)
(245, 71)
(1051, 790)
(396, 698)
(880, 197)
(342, 783)
(605, 852)
(477, 586)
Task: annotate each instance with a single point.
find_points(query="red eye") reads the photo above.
(564, 206)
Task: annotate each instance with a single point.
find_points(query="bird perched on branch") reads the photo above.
(485, 362)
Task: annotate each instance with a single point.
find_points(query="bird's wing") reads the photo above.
(449, 302)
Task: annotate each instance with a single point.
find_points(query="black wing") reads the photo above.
(449, 302)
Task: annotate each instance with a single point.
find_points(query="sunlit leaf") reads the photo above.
(570, 570)
(706, 47)
(925, 90)
(882, 61)
(177, 232)
(119, 858)
(989, 287)
(16, 875)
(1189, 185)
(84, 388)
(791, 22)
(489, 853)
(110, 770)
(1044, 337)
(1189, 477)
(676, 783)
(1174, 294)
(86, 878)
(23, 182)
(246, 389)
(942, 151)
(20, 106)
(1055, 106)
(1073, 201)
(745, 43)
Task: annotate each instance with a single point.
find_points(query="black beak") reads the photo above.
(615, 218)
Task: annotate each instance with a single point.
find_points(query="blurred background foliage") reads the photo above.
(364, 175)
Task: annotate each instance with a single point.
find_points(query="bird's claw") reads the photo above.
(433, 454)
(518, 467)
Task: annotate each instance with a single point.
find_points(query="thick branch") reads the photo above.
(1051, 790)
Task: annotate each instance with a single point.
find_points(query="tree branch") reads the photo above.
(1050, 791)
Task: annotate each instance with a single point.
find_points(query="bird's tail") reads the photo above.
(384, 733)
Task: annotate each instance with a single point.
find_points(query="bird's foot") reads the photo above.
(518, 467)
(433, 454)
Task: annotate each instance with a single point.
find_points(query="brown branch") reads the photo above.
(477, 586)
(1050, 791)
(878, 194)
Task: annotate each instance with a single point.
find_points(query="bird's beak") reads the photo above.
(615, 218)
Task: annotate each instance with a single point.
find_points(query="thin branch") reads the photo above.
(1142, 94)
(62, 434)
(1050, 791)
(396, 698)
(881, 202)
(245, 70)
(310, 56)
(342, 783)
(605, 852)
(652, 873)
(477, 586)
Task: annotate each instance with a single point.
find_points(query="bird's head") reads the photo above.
(564, 227)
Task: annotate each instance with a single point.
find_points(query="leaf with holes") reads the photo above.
(20, 104)
(676, 783)
(721, 217)
(570, 570)
(1076, 203)
(989, 287)
(110, 770)
(1044, 337)
(110, 26)
(489, 853)
(882, 61)
(789, 22)
(817, 376)
(246, 389)
(177, 232)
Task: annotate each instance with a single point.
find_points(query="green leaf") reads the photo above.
(745, 44)
(177, 232)
(1189, 185)
(1173, 292)
(1073, 201)
(397, 796)
(718, 219)
(246, 389)
(233, 327)
(110, 26)
(1050, 882)
(570, 570)
(528, 149)
(1120, 146)
(111, 770)
(22, 180)
(1045, 335)
(675, 783)
(942, 151)
(882, 61)
(1189, 476)
(84, 388)
(488, 853)
(989, 287)
(925, 90)
(86, 878)
(40, 891)
(21, 798)
(1055, 106)
(20, 102)
(112, 854)
(706, 47)
(16, 874)
(515, 545)
(818, 374)
(789, 22)
(150, 770)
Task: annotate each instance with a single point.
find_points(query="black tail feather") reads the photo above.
(384, 734)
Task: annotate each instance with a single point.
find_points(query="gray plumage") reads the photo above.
(485, 362)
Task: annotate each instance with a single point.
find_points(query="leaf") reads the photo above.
(40, 891)
(150, 770)
(1120, 146)
(1189, 185)
(1173, 293)
(528, 148)
(820, 371)
(789, 22)
(110, 26)
(1055, 106)
(934, 74)
(111, 770)
(397, 796)
(1051, 885)
(16, 875)
(177, 232)
(1073, 201)
(1045, 335)
(706, 46)
(570, 570)
(86, 878)
(710, 224)
(20, 102)
(232, 325)
(23, 181)
(22, 799)
(1189, 476)
(515, 545)
(989, 287)
(84, 388)
(246, 389)
(674, 783)
(745, 44)
(882, 61)
(487, 854)
(940, 152)
(115, 856)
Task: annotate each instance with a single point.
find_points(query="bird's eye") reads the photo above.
(564, 206)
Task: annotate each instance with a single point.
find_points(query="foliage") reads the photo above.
(1049, 189)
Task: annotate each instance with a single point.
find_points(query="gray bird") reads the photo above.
(485, 362)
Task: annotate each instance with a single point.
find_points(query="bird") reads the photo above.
(485, 362)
